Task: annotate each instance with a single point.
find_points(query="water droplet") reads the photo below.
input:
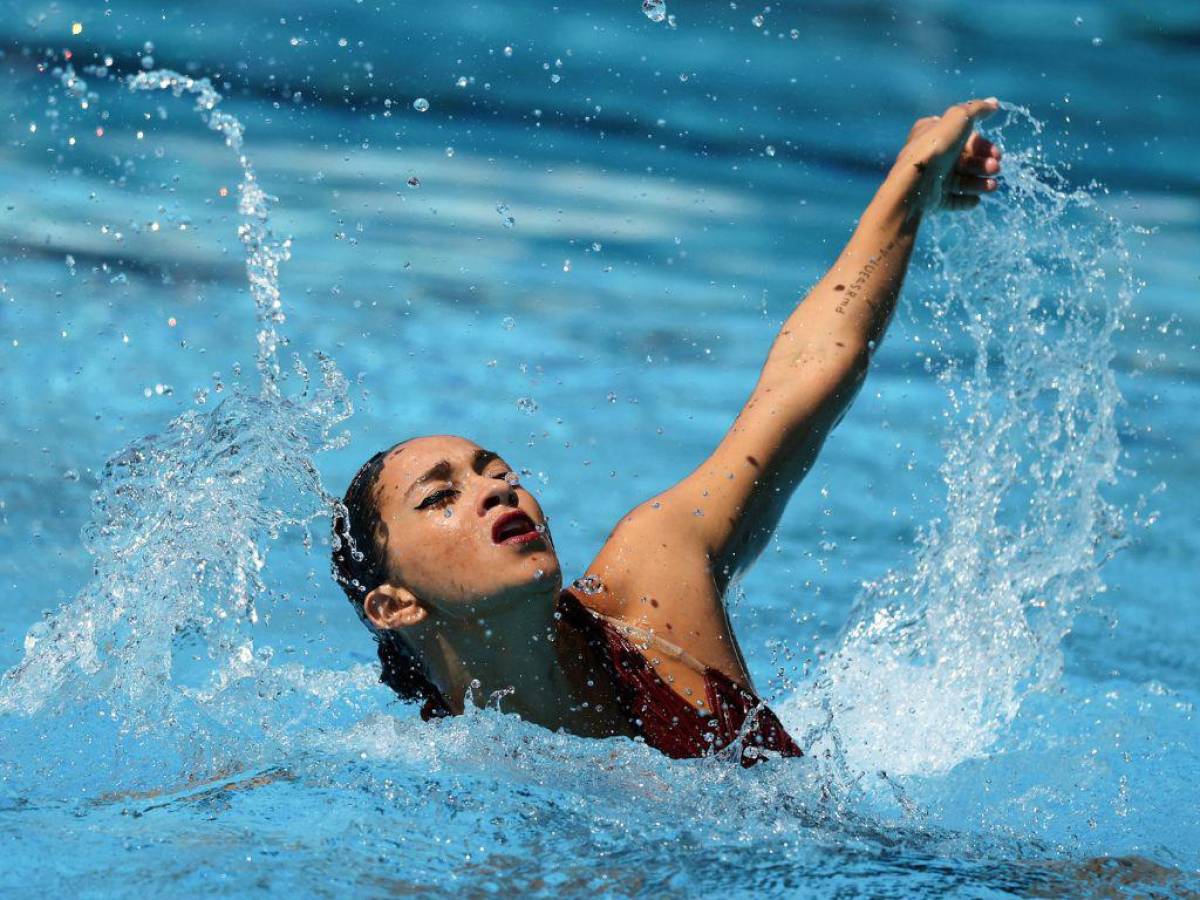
(421, 104)
(37, 632)
(566, 265)
(770, 150)
(1096, 41)
(449, 152)
(555, 78)
(447, 512)
(462, 81)
(597, 246)
(795, 33)
(758, 21)
(70, 475)
(414, 182)
(589, 585)
(508, 220)
(655, 10)
(508, 323)
(508, 51)
(527, 405)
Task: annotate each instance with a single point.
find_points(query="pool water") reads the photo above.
(570, 233)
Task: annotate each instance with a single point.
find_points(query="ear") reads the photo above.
(391, 607)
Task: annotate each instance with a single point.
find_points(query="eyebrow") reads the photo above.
(442, 469)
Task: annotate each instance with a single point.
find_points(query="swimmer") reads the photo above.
(449, 562)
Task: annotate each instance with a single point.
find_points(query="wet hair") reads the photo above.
(360, 566)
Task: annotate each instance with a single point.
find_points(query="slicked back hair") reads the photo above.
(360, 566)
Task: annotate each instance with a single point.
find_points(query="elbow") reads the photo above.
(836, 368)
(838, 359)
(817, 388)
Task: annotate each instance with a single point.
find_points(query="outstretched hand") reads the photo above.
(948, 163)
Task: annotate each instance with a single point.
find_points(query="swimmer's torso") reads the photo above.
(667, 697)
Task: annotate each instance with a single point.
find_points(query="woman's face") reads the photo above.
(460, 533)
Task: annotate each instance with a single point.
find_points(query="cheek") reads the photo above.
(435, 547)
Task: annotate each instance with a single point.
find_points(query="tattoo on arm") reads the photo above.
(860, 281)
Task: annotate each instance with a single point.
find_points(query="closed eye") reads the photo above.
(438, 498)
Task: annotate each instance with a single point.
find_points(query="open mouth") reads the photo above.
(514, 528)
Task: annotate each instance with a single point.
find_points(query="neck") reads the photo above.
(514, 647)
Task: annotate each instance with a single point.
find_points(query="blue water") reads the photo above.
(978, 613)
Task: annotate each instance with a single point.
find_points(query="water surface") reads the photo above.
(988, 653)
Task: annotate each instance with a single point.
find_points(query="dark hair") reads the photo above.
(360, 566)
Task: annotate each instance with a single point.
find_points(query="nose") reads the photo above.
(502, 494)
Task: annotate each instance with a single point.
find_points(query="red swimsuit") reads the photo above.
(661, 716)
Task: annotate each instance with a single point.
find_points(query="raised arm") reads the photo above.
(729, 506)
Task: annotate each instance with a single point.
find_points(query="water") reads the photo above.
(976, 613)
(1040, 285)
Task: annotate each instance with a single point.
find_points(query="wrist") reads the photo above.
(898, 202)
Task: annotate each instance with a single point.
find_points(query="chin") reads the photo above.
(542, 570)
(534, 575)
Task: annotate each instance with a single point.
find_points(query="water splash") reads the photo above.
(655, 10)
(937, 658)
(264, 252)
(183, 522)
(181, 526)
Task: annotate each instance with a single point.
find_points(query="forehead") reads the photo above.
(406, 462)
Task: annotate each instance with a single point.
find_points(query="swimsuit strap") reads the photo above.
(649, 637)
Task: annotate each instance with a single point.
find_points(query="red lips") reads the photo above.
(514, 527)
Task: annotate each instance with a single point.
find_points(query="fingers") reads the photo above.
(964, 188)
(953, 157)
(977, 165)
(958, 121)
(971, 184)
(978, 145)
(972, 110)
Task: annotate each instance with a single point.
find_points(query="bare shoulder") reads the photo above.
(646, 555)
(652, 573)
